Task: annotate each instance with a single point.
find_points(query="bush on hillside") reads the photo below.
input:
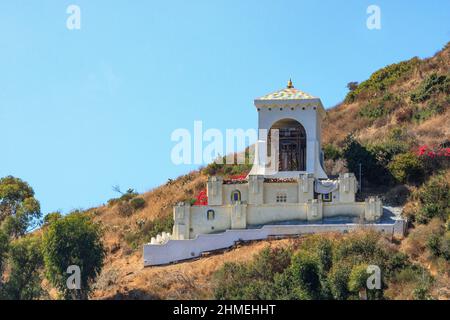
(125, 197)
(434, 159)
(407, 168)
(137, 203)
(432, 200)
(421, 114)
(380, 80)
(319, 268)
(331, 152)
(25, 263)
(51, 217)
(150, 229)
(431, 85)
(372, 171)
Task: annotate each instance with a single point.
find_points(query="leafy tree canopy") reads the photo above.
(73, 240)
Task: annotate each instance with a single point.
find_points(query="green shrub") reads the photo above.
(338, 280)
(355, 154)
(434, 199)
(439, 244)
(421, 293)
(150, 229)
(407, 168)
(432, 84)
(358, 278)
(380, 80)
(229, 169)
(231, 280)
(125, 197)
(270, 261)
(52, 217)
(25, 265)
(332, 152)
(263, 278)
(373, 111)
(305, 274)
(137, 203)
(158, 225)
(434, 244)
(319, 268)
(432, 109)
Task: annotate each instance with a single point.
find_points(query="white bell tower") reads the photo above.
(294, 118)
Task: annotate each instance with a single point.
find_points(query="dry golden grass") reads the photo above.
(125, 277)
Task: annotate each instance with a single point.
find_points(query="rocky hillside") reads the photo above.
(399, 109)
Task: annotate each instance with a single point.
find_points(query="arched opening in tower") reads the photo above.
(291, 146)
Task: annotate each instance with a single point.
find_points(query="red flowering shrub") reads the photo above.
(426, 151)
(201, 199)
(434, 158)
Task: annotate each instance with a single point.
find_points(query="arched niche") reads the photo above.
(291, 146)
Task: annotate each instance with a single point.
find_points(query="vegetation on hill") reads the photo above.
(333, 267)
(395, 127)
(28, 260)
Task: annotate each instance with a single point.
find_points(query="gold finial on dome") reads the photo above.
(290, 84)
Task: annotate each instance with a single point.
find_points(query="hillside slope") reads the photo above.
(412, 95)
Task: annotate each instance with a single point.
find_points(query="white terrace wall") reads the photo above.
(355, 209)
(267, 213)
(178, 250)
(239, 216)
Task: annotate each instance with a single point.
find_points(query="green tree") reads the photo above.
(305, 273)
(73, 240)
(19, 210)
(357, 282)
(352, 86)
(4, 246)
(25, 263)
(51, 217)
(355, 154)
(338, 280)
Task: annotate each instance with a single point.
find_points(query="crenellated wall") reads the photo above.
(260, 204)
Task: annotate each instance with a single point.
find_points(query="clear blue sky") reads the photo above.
(83, 110)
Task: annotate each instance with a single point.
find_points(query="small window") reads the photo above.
(235, 196)
(326, 197)
(281, 197)
(210, 214)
